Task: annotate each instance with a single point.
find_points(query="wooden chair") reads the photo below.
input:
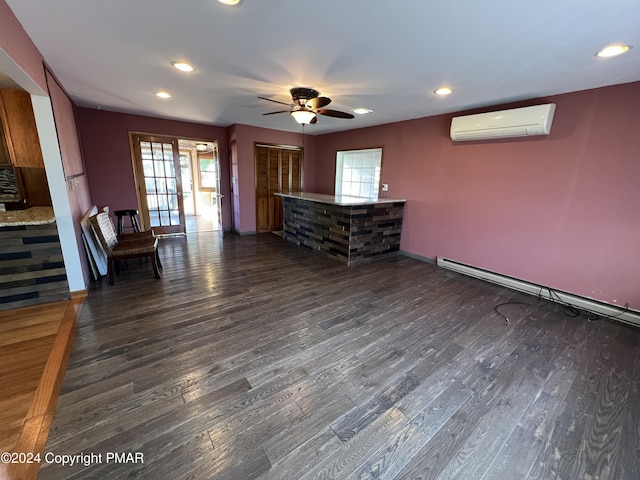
(121, 247)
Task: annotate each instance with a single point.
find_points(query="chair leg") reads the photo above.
(110, 268)
(158, 259)
(154, 263)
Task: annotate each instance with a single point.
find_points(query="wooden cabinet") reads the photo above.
(5, 158)
(20, 147)
(19, 129)
(278, 169)
(35, 188)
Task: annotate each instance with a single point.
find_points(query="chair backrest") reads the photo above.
(103, 227)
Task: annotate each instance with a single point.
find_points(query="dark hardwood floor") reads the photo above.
(256, 359)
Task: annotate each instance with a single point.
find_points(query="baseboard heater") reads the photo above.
(621, 314)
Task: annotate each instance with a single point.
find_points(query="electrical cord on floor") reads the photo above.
(495, 309)
(553, 296)
(568, 309)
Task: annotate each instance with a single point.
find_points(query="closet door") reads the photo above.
(275, 186)
(262, 189)
(295, 168)
(278, 169)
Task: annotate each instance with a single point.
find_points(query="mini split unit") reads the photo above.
(516, 122)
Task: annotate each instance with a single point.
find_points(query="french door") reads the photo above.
(159, 183)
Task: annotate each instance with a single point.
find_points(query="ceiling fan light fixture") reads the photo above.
(613, 50)
(201, 147)
(303, 117)
(183, 66)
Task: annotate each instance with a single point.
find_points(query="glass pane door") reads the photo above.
(161, 174)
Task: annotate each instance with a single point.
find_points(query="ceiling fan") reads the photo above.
(307, 105)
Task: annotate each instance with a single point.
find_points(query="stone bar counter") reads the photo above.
(32, 269)
(351, 229)
(29, 216)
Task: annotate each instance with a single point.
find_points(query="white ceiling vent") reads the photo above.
(516, 122)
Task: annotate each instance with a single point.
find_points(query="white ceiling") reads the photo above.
(388, 56)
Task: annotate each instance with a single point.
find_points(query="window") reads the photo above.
(358, 172)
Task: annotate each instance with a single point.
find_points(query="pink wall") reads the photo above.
(560, 211)
(79, 196)
(64, 111)
(105, 144)
(245, 138)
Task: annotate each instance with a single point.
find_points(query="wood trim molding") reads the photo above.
(79, 295)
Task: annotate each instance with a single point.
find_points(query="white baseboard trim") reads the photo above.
(621, 314)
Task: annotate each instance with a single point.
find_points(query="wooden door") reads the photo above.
(262, 189)
(20, 131)
(278, 169)
(36, 187)
(159, 183)
(5, 158)
(208, 181)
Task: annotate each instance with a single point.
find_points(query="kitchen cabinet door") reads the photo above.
(20, 129)
(5, 158)
(36, 188)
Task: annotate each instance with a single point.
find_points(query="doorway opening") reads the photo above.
(200, 170)
(178, 184)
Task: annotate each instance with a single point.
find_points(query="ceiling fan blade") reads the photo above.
(318, 102)
(335, 113)
(279, 111)
(274, 101)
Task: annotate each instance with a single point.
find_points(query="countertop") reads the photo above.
(29, 216)
(341, 200)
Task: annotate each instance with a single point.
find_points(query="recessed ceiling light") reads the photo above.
(163, 94)
(230, 2)
(443, 91)
(183, 66)
(361, 110)
(613, 50)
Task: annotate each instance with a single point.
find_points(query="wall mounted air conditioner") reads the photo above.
(516, 122)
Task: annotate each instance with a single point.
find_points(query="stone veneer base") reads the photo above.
(31, 266)
(349, 233)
